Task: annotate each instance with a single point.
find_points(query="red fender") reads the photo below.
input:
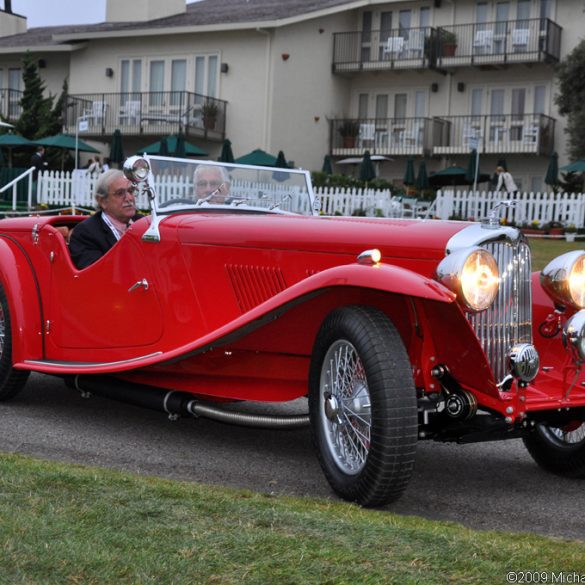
(23, 295)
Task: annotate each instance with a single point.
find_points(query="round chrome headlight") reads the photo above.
(136, 169)
(473, 276)
(564, 279)
(574, 335)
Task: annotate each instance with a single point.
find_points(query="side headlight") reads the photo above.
(472, 275)
(564, 279)
(136, 169)
(574, 335)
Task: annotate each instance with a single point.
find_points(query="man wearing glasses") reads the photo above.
(212, 184)
(116, 204)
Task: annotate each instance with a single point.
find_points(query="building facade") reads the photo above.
(425, 79)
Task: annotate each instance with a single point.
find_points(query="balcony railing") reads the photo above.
(148, 113)
(10, 108)
(515, 41)
(491, 43)
(530, 134)
(391, 136)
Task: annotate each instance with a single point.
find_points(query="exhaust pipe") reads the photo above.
(176, 403)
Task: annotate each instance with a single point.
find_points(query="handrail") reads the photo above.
(13, 185)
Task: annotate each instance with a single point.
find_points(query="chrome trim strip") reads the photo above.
(60, 364)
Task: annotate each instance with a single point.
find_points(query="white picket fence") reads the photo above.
(64, 188)
(565, 208)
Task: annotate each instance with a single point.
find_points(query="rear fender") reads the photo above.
(23, 294)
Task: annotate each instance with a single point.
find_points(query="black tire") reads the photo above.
(559, 450)
(11, 380)
(379, 405)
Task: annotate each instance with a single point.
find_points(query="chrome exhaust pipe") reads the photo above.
(176, 403)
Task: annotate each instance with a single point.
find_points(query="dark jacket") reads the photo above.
(91, 239)
(38, 163)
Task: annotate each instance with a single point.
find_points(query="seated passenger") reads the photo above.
(92, 238)
(212, 184)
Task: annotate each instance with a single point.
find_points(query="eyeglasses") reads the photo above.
(212, 184)
(122, 192)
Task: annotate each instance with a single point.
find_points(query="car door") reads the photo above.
(109, 305)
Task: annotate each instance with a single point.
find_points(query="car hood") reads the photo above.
(336, 235)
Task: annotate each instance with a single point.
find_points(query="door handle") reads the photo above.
(143, 283)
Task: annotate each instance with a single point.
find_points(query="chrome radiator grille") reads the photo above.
(509, 320)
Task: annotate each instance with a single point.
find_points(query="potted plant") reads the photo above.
(447, 43)
(209, 113)
(349, 131)
(570, 232)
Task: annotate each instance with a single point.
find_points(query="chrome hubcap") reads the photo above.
(346, 407)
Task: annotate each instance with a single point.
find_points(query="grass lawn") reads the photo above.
(544, 250)
(64, 524)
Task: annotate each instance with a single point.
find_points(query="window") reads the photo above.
(363, 105)
(539, 106)
(381, 107)
(130, 79)
(206, 74)
(400, 100)
(178, 82)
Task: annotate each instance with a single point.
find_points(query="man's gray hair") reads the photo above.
(102, 186)
(225, 178)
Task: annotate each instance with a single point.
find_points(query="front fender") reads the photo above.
(23, 295)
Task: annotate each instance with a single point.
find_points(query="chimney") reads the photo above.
(10, 23)
(143, 10)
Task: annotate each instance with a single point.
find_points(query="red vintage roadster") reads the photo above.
(396, 330)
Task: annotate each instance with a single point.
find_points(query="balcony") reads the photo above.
(505, 134)
(147, 114)
(386, 136)
(486, 44)
(497, 43)
(380, 50)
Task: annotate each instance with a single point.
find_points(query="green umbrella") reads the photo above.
(575, 167)
(472, 167)
(116, 149)
(454, 176)
(367, 170)
(422, 179)
(155, 148)
(180, 151)
(552, 172)
(327, 166)
(11, 141)
(66, 142)
(226, 155)
(164, 147)
(409, 174)
(258, 158)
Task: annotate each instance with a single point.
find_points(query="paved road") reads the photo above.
(484, 486)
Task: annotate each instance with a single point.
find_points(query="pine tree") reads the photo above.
(36, 109)
(53, 124)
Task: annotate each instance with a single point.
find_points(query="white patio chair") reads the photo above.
(415, 44)
(483, 40)
(367, 134)
(97, 112)
(394, 46)
(520, 37)
(130, 112)
(530, 134)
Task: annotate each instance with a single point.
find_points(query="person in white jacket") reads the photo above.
(505, 180)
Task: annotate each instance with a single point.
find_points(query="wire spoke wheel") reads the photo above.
(362, 405)
(11, 380)
(559, 449)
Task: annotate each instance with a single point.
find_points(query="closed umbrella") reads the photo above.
(226, 155)
(552, 172)
(281, 164)
(367, 170)
(116, 149)
(422, 179)
(180, 151)
(164, 147)
(472, 167)
(409, 174)
(327, 166)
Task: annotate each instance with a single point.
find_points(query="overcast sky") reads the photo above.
(56, 12)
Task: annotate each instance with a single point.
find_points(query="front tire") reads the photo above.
(362, 405)
(559, 450)
(11, 380)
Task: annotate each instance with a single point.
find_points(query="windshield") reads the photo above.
(207, 185)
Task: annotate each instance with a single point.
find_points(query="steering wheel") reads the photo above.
(178, 201)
